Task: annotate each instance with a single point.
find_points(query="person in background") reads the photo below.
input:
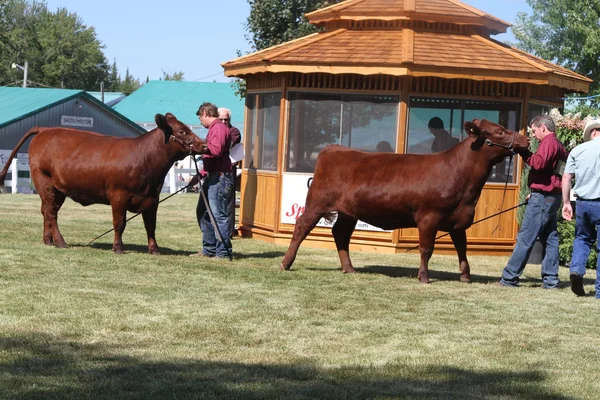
(540, 219)
(384, 147)
(443, 140)
(236, 137)
(583, 164)
(217, 186)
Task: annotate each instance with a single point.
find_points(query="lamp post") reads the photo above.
(15, 65)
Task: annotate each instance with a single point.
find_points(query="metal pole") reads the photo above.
(25, 74)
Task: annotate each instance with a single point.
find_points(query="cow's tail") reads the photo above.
(32, 131)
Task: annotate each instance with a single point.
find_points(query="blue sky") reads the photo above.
(193, 36)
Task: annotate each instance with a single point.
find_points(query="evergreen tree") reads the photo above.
(129, 84)
(114, 81)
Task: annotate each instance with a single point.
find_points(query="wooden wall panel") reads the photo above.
(259, 199)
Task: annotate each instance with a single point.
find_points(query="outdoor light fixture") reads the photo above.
(15, 65)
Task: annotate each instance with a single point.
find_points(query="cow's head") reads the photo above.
(179, 134)
(489, 134)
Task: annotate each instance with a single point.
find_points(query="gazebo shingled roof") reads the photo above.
(422, 10)
(407, 46)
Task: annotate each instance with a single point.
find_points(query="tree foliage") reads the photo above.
(61, 51)
(175, 76)
(272, 22)
(566, 32)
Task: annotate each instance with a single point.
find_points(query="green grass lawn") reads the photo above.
(84, 323)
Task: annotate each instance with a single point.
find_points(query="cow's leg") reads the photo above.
(150, 224)
(342, 231)
(119, 212)
(426, 242)
(304, 224)
(459, 238)
(52, 201)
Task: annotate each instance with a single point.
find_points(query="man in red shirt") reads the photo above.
(235, 137)
(218, 184)
(540, 218)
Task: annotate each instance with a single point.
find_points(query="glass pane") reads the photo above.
(433, 125)
(315, 121)
(437, 124)
(356, 121)
(262, 127)
(269, 110)
(250, 130)
(370, 122)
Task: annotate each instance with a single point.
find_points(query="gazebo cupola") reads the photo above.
(380, 71)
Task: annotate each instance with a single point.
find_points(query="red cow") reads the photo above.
(127, 173)
(431, 192)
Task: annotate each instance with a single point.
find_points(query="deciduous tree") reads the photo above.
(566, 32)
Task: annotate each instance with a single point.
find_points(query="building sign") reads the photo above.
(295, 188)
(69, 120)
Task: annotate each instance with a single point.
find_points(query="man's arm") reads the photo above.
(567, 210)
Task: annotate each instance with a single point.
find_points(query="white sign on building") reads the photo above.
(70, 120)
(295, 188)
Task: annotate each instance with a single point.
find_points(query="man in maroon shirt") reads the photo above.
(218, 184)
(235, 137)
(540, 218)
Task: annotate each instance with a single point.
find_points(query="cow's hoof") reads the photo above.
(118, 251)
(424, 280)
(465, 279)
(154, 252)
(349, 270)
(282, 267)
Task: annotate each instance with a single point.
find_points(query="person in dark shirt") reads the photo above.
(443, 140)
(540, 218)
(218, 184)
(235, 137)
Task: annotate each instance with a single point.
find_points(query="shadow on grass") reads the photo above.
(266, 254)
(412, 272)
(40, 366)
(134, 248)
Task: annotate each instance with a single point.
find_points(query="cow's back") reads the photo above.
(374, 187)
(81, 164)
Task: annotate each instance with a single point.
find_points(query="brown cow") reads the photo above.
(127, 173)
(431, 192)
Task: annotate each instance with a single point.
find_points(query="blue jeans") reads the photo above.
(587, 223)
(219, 190)
(540, 220)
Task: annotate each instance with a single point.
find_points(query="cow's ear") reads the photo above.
(471, 129)
(163, 124)
(170, 116)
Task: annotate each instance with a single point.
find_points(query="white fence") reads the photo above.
(18, 164)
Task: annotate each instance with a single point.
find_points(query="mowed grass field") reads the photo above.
(84, 323)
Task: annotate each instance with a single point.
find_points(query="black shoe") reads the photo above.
(577, 284)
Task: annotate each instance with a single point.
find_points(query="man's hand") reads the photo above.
(567, 211)
(194, 181)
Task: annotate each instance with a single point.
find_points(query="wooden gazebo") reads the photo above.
(378, 73)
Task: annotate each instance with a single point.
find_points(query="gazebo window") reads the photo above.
(352, 120)
(431, 119)
(262, 127)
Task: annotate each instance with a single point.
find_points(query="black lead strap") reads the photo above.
(130, 218)
(476, 222)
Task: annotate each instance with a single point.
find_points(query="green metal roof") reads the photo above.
(181, 99)
(17, 103)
